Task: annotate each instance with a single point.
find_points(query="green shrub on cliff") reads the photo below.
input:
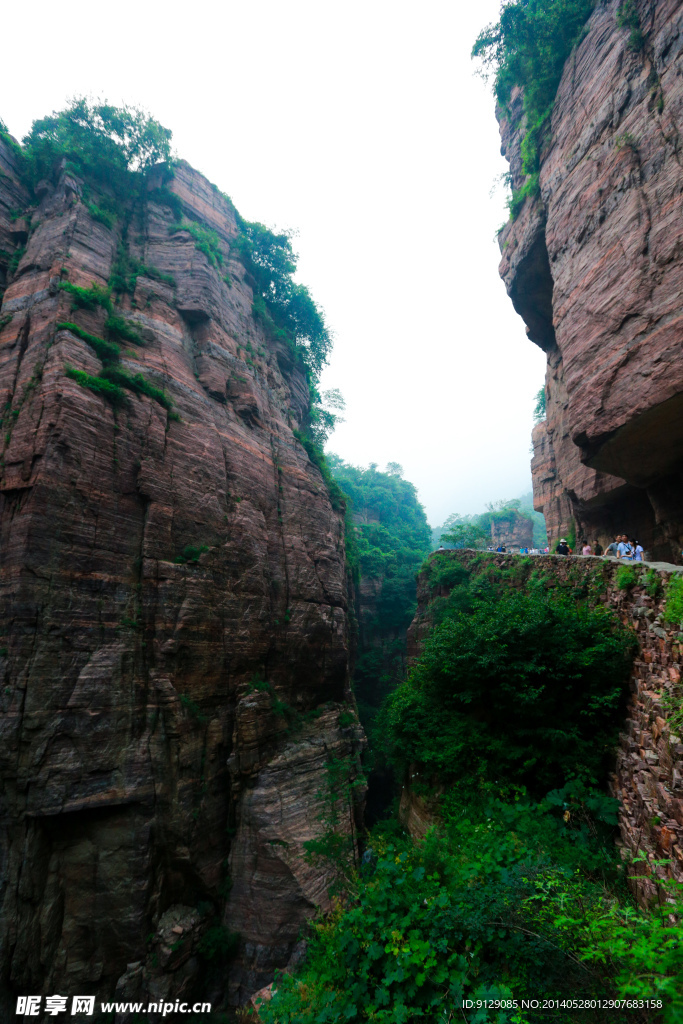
(87, 298)
(126, 269)
(627, 17)
(107, 389)
(123, 329)
(271, 261)
(528, 48)
(108, 351)
(540, 407)
(673, 609)
(525, 689)
(205, 240)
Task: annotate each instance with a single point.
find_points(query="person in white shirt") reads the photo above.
(638, 551)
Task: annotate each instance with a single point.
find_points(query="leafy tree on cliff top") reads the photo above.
(101, 141)
(285, 307)
(113, 147)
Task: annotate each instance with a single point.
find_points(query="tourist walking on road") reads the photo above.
(586, 549)
(612, 548)
(637, 551)
(563, 548)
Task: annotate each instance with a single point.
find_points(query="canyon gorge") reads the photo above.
(203, 619)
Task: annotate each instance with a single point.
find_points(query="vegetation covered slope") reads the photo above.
(504, 725)
(392, 538)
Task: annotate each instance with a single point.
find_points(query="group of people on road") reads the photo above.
(622, 547)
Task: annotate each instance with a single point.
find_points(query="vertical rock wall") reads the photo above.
(594, 267)
(151, 780)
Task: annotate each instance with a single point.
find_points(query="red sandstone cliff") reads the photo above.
(595, 267)
(145, 779)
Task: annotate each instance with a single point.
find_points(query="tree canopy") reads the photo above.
(282, 304)
(101, 141)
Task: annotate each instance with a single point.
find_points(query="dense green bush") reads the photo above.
(137, 383)
(626, 577)
(487, 907)
(115, 381)
(673, 609)
(101, 143)
(524, 689)
(101, 215)
(124, 329)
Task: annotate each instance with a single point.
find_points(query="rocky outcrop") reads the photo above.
(648, 775)
(173, 627)
(594, 266)
(512, 530)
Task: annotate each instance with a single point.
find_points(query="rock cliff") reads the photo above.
(514, 530)
(594, 267)
(173, 626)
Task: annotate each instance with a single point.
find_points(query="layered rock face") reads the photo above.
(172, 605)
(594, 267)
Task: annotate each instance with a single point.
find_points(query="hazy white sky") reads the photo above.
(361, 125)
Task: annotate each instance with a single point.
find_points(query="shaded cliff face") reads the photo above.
(145, 771)
(594, 266)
